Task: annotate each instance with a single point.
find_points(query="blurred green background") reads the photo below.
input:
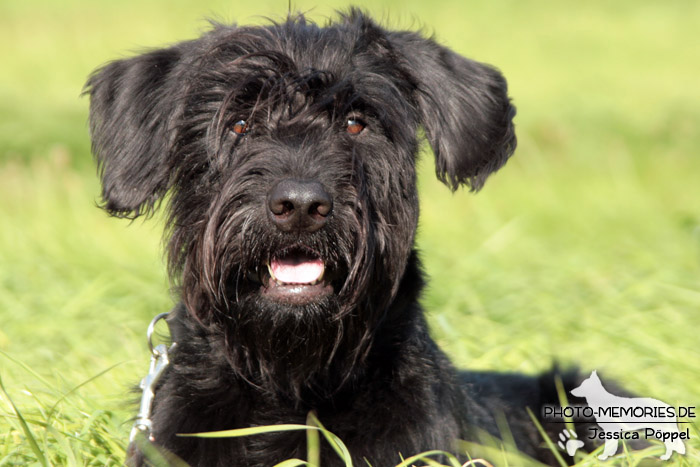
(585, 248)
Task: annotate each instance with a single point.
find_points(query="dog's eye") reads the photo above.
(354, 126)
(240, 127)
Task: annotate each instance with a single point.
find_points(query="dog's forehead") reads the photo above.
(340, 49)
(278, 72)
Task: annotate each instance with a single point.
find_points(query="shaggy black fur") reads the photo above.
(221, 123)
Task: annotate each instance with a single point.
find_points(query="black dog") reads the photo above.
(288, 153)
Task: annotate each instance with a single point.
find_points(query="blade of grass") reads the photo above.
(65, 445)
(313, 445)
(294, 463)
(28, 369)
(256, 430)
(155, 457)
(27, 431)
(332, 439)
(549, 442)
(423, 456)
(75, 388)
(335, 442)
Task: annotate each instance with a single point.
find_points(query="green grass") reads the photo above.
(584, 248)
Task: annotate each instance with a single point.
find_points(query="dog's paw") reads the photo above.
(569, 441)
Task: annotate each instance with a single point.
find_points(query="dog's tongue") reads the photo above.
(297, 269)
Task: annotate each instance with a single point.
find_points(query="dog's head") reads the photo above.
(288, 152)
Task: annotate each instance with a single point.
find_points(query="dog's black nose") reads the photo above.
(299, 205)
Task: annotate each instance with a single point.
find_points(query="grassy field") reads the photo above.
(585, 248)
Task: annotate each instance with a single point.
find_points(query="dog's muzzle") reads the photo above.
(297, 275)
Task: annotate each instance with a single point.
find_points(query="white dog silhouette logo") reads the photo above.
(617, 414)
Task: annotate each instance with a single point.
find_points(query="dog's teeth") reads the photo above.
(320, 278)
(272, 274)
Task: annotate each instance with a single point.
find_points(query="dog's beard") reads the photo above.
(296, 350)
(290, 349)
(234, 279)
(237, 270)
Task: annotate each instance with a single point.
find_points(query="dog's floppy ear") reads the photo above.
(464, 108)
(132, 106)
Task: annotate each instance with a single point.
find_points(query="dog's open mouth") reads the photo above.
(296, 277)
